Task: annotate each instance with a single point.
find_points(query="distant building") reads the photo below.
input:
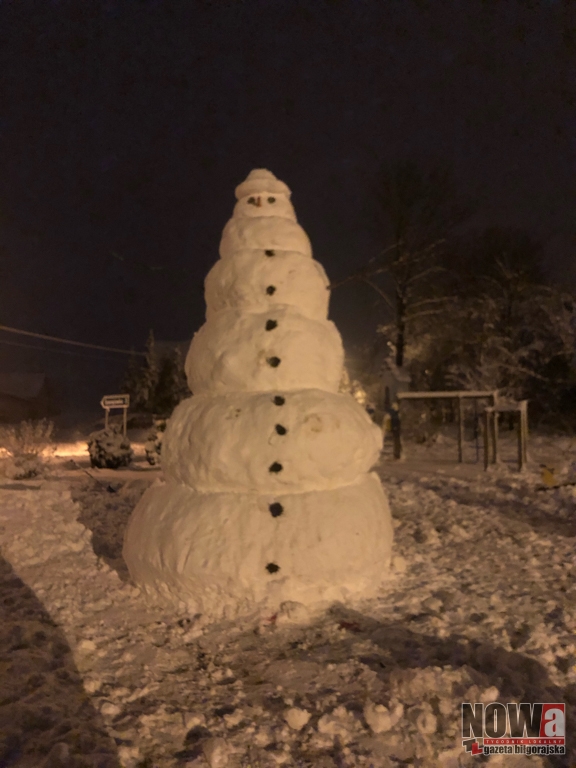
(26, 396)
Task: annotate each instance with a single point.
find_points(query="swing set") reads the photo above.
(489, 421)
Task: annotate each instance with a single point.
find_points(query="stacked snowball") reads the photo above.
(268, 497)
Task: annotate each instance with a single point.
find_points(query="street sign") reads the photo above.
(116, 401)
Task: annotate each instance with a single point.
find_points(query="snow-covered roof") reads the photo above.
(24, 386)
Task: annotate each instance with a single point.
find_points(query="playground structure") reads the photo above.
(491, 431)
(489, 421)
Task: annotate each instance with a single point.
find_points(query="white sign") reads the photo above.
(115, 401)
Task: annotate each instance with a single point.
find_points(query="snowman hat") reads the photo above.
(261, 180)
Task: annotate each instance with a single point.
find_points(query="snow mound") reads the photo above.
(259, 181)
(256, 281)
(315, 440)
(220, 553)
(257, 352)
(263, 233)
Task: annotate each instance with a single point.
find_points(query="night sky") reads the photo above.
(125, 126)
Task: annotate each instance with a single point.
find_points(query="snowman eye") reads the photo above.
(251, 201)
(271, 199)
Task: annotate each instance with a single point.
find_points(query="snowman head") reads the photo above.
(262, 194)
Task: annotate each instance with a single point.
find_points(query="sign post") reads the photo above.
(116, 401)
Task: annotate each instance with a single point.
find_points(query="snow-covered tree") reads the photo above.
(510, 329)
(157, 384)
(172, 386)
(507, 328)
(130, 383)
(151, 370)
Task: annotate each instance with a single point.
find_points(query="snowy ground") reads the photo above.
(481, 606)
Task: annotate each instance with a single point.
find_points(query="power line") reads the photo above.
(50, 351)
(69, 341)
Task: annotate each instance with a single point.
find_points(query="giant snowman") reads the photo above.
(268, 500)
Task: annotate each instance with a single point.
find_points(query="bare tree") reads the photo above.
(414, 213)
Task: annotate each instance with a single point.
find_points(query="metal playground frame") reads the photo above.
(490, 421)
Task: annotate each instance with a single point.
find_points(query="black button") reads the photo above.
(276, 509)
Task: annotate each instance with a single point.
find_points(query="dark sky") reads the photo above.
(125, 126)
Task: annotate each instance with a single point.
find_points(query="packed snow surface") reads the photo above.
(480, 606)
(257, 351)
(224, 553)
(257, 282)
(264, 204)
(301, 440)
(259, 182)
(263, 233)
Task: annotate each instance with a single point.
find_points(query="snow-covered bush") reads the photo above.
(153, 445)
(25, 448)
(109, 448)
